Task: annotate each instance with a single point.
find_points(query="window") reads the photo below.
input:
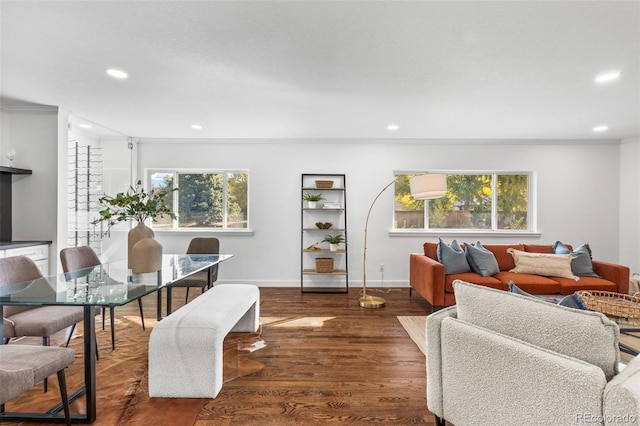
(205, 198)
(474, 201)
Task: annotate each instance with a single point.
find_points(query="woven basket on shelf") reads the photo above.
(324, 265)
(324, 184)
(614, 304)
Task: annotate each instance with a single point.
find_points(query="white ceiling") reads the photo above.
(330, 69)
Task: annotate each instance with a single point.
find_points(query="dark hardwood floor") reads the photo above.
(329, 361)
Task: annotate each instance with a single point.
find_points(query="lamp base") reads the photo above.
(372, 302)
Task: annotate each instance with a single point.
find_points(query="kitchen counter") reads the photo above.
(6, 245)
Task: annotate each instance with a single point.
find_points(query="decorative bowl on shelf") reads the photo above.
(324, 225)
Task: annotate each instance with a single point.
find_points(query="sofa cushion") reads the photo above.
(586, 335)
(530, 283)
(481, 260)
(538, 248)
(472, 277)
(504, 259)
(581, 264)
(548, 265)
(452, 257)
(570, 301)
(568, 286)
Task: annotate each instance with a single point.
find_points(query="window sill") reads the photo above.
(462, 233)
(204, 231)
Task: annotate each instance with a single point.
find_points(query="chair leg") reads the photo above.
(103, 312)
(113, 328)
(73, 328)
(186, 298)
(141, 313)
(440, 422)
(45, 382)
(63, 394)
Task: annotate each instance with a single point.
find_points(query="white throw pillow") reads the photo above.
(547, 265)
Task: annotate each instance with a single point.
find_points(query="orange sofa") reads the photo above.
(427, 277)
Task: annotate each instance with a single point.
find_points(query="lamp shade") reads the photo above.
(428, 186)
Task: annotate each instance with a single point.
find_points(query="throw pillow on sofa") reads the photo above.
(574, 300)
(452, 257)
(481, 260)
(581, 264)
(547, 265)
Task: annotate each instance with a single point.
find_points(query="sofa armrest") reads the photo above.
(426, 276)
(618, 274)
(434, 358)
(622, 396)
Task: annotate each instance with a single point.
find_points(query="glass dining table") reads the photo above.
(108, 284)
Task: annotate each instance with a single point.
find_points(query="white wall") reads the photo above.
(630, 203)
(577, 196)
(33, 131)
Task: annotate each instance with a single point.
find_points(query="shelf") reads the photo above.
(333, 209)
(335, 272)
(14, 171)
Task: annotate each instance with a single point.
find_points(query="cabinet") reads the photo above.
(39, 253)
(324, 269)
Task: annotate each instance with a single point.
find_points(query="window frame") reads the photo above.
(204, 231)
(532, 230)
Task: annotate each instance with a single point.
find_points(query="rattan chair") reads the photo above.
(76, 258)
(23, 366)
(200, 245)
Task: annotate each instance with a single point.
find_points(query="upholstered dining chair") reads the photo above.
(75, 258)
(23, 366)
(200, 245)
(38, 321)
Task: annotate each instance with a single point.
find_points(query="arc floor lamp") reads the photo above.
(423, 187)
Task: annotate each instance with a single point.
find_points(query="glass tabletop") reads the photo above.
(110, 283)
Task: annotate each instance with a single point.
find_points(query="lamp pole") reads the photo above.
(370, 301)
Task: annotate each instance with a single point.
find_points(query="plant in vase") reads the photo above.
(312, 199)
(334, 241)
(139, 205)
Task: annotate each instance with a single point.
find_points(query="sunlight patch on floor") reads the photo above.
(295, 322)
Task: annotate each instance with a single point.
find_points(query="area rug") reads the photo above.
(122, 382)
(415, 327)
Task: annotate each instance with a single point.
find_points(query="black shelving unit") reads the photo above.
(332, 209)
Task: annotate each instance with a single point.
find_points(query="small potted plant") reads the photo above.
(334, 241)
(312, 199)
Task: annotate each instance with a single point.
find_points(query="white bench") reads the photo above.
(185, 348)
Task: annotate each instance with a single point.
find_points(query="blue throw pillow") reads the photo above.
(581, 265)
(452, 257)
(573, 301)
(481, 260)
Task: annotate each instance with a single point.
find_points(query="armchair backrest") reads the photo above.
(584, 335)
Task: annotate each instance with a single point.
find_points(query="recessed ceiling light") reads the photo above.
(85, 126)
(607, 77)
(601, 128)
(116, 73)
(196, 127)
(393, 127)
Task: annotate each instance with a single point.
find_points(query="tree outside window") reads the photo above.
(206, 199)
(486, 201)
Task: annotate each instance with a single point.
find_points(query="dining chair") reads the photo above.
(38, 321)
(23, 366)
(76, 258)
(200, 245)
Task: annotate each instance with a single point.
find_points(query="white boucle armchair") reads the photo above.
(504, 359)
